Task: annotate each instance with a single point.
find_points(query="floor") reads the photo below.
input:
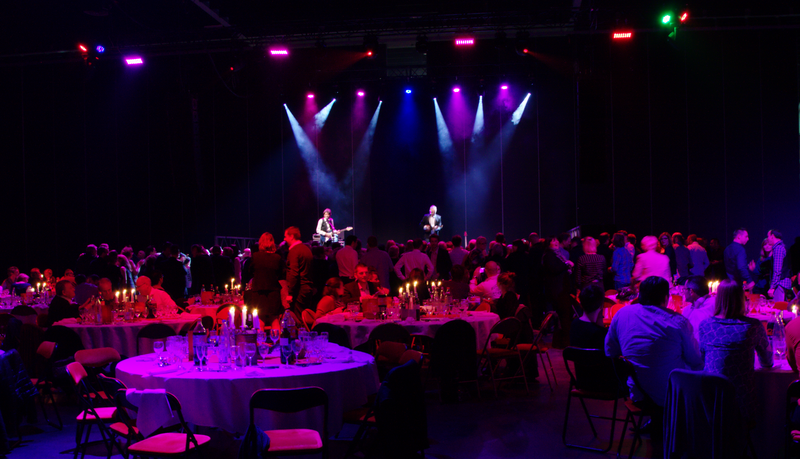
(516, 424)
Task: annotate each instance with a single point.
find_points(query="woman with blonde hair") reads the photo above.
(266, 270)
(727, 342)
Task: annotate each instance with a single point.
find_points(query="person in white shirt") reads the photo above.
(157, 295)
(458, 253)
(347, 259)
(487, 288)
(414, 259)
(651, 263)
(699, 256)
(656, 341)
(701, 304)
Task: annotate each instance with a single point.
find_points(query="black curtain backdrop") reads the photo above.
(699, 137)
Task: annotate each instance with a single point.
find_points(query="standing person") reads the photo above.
(458, 253)
(506, 306)
(656, 341)
(762, 269)
(683, 258)
(325, 227)
(736, 259)
(174, 275)
(440, 259)
(650, 262)
(266, 268)
(699, 256)
(591, 265)
(780, 287)
(727, 342)
(298, 273)
(347, 259)
(557, 270)
(378, 259)
(85, 260)
(414, 259)
(665, 248)
(223, 268)
(431, 223)
(202, 270)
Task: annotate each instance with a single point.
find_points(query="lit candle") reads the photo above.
(401, 291)
(39, 287)
(415, 287)
(244, 317)
(226, 288)
(439, 284)
(256, 320)
(231, 315)
(233, 283)
(710, 287)
(124, 295)
(133, 293)
(116, 294)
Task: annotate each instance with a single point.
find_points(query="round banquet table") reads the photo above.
(122, 336)
(221, 398)
(359, 331)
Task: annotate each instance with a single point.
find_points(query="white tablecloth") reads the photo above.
(771, 384)
(221, 399)
(122, 337)
(359, 332)
(770, 314)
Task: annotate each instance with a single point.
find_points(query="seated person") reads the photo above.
(21, 285)
(459, 285)
(331, 302)
(488, 288)
(86, 287)
(585, 333)
(656, 341)
(375, 280)
(507, 304)
(701, 304)
(361, 288)
(62, 307)
(145, 286)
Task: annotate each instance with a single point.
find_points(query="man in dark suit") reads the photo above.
(299, 281)
(99, 265)
(361, 288)
(222, 266)
(85, 260)
(174, 275)
(202, 269)
(439, 258)
(431, 223)
(62, 307)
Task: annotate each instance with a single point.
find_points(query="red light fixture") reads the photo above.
(684, 16)
(83, 48)
(525, 51)
(369, 53)
(622, 35)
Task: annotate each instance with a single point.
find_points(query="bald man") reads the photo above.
(487, 288)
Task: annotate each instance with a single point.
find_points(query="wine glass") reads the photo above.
(250, 350)
(286, 352)
(261, 337)
(199, 351)
(158, 348)
(242, 353)
(263, 350)
(297, 348)
(274, 336)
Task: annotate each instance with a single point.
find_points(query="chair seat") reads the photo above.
(633, 408)
(105, 413)
(99, 393)
(527, 347)
(594, 395)
(293, 440)
(122, 428)
(34, 381)
(166, 444)
(498, 352)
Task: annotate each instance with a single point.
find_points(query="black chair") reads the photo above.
(45, 382)
(163, 444)
(453, 358)
(400, 415)
(23, 311)
(593, 379)
(152, 333)
(125, 427)
(625, 371)
(387, 332)
(538, 346)
(208, 322)
(336, 334)
(67, 340)
(292, 442)
(30, 337)
(490, 356)
(91, 415)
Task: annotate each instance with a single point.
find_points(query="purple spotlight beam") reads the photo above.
(504, 87)
(360, 93)
(456, 89)
(134, 61)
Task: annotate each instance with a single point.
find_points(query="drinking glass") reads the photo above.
(242, 353)
(261, 337)
(286, 352)
(250, 350)
(198, 351)
(263, 350)
(158, 348)
(297, 348)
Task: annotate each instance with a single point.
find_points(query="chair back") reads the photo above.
(291, 401)
(223, 313)
(387, 332)
(792, 405)
(151, 333)
(389, 351)
(702, 417)
(593, 371)
(611, 292)
(336, 334)
(308, 319)
(453, 351)
(77, 372)
(97, 358)
(411, 354)
(110, 385)
(484, 306)
(208, 322)
(626, 374)
(46, 349)
(42, 319)
(509, 328)
(525, 316)
(421, 343)
(781, 305)
(67, 340)
(30, 337)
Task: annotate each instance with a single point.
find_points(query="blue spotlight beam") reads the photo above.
(365, 147)
(322, 115)
(477, 128)
(325, 179)
(517, 115)
(445, 141)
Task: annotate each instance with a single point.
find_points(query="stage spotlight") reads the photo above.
(310, 95)
(279, 50)
(622, 35)
(465, 41)
(134, 60)
(666, 19)
(371, 45)
(522, 45)
(408, 91)
(685, 16)
(360, 93)
(100, 49)
(504, 87)
(517, 115)
(83, 48)
(422, 44)
(456, 89)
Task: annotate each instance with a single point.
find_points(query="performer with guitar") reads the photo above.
(431, 223)
(326, 230)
